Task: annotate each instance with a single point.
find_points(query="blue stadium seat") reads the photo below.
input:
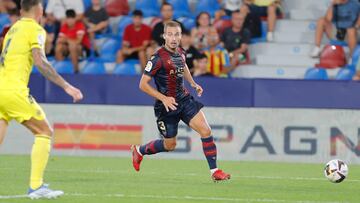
(181, 8)
(316, 74)
(210, 6)
(124, 21)
(93, 67)
(64, 67)
(126, 68)
(87, 4)
(355, 56)
(188, 23)
(108, 50)
(4, 20)
(345, 74)
(148, 7)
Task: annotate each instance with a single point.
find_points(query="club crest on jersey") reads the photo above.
(148, 66)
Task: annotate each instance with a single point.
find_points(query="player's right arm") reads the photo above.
(152, 67)
(50, 73)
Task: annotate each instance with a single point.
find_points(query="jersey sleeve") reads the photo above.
(153, 65)
(37, 38)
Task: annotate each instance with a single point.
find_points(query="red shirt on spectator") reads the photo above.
(137, 37)
(72, 33)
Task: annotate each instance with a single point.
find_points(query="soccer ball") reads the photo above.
(336, 171)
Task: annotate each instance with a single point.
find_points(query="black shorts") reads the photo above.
(262, 11)
(167, 122)
(134, 55)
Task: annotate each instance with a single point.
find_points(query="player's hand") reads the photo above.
(169, 103)
(74, 92)
(199, 89)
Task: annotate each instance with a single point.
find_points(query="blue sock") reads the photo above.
(209, 148)
(152, 147)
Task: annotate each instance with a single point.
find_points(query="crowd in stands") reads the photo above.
(73, 29)
(215, 44)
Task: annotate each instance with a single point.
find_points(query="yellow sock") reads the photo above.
(39, 158)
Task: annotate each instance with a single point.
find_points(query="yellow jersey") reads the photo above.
(16, 59)
(263, 2)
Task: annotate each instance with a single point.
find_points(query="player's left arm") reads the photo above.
(190, 79)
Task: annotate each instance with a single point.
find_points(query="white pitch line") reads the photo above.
(13, 196)
(187, 174)
(187, 197)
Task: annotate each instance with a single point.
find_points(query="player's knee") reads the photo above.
(205, 132)
(170, 145)
(47, 131)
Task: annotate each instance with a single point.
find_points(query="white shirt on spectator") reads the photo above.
(59, 7)
(232, 5)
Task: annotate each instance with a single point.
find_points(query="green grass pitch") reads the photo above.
(101, 180)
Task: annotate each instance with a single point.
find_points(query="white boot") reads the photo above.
(315, 52)
(270, 36)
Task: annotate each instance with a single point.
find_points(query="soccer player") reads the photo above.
(24, 45)
(174, 103)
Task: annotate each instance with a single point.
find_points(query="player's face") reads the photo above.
(204, 20)
(202, 64)
(137, 20)
(167, 12)
(185, 40)
(172, 37)
(70, 21)
(213, 38)
(238, 20)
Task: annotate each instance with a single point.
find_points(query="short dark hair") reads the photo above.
(27, 5)
(200, 56)
(137, 13)
(165, 4)
(186, 32)
(14, 12)
(70, 13)
(171, 24)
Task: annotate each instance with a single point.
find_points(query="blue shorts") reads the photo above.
(167, 122)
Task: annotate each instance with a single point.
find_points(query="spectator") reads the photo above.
(136, 39)
(200, 32)
(218, 58)
(191, 51)
(56, 9)
(50, 35)
(7, 5)
(97, 20)
(14, 15)
(228, 7)
(73, 40)
(158, 31)
(236, 39)
(344, 14)
(200, 66)
(264, 8)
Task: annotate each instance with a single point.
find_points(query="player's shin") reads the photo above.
(39, 158)
(153, 147)
(210, 152)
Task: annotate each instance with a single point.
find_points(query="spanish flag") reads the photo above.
(96, 136)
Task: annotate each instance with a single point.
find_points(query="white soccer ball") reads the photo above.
(336, 171)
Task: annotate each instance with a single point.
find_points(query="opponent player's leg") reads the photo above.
(3, 128)
(39, 158)
(168, 129)
(201, 126)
